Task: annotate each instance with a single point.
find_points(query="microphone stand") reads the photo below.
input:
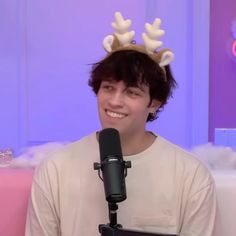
(113, 228)
(110, 228)
(113, 207)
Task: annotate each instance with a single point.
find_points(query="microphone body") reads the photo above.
(112, 165)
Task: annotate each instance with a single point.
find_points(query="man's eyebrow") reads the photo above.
(110, 81)
(141, 87)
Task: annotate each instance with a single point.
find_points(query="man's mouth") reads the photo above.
(115, 114)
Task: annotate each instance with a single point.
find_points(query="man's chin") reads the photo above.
(113, 126)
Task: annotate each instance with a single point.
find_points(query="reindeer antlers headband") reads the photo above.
(122, 39)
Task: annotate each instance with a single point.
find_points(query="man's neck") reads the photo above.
(137, 143)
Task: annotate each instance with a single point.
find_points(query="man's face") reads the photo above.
(124, 108)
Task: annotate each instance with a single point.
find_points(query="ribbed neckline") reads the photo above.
(145, 152)
(140, 154)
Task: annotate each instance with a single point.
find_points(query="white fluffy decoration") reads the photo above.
(216, 157)
(33, 156)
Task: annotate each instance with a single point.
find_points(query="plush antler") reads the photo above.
(122, 33)
(152, 42)
(150, 38)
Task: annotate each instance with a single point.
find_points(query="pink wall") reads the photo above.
(222, 93)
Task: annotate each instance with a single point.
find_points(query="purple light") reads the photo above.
(233, 28)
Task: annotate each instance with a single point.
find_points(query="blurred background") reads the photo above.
(47, 48)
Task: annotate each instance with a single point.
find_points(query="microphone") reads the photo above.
(112, 165)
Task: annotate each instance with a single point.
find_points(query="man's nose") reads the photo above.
(117, 99)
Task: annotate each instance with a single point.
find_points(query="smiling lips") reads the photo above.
(115, 114)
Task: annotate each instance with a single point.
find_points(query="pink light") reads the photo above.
(234, 48)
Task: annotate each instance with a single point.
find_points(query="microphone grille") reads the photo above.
(109, 143)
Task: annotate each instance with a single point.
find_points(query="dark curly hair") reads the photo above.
(135, 68)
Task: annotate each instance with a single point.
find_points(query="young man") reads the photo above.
(168, 190)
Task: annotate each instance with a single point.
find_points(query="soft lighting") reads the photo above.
(233, 29)
(234, 48)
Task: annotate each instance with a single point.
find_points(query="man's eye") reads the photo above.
(133, 92)
(107, 87)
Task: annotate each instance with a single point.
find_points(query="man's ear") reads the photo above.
(155, 105)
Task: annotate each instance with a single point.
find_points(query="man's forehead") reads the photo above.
(127, 83)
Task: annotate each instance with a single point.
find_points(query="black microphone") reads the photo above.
(112, 165)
